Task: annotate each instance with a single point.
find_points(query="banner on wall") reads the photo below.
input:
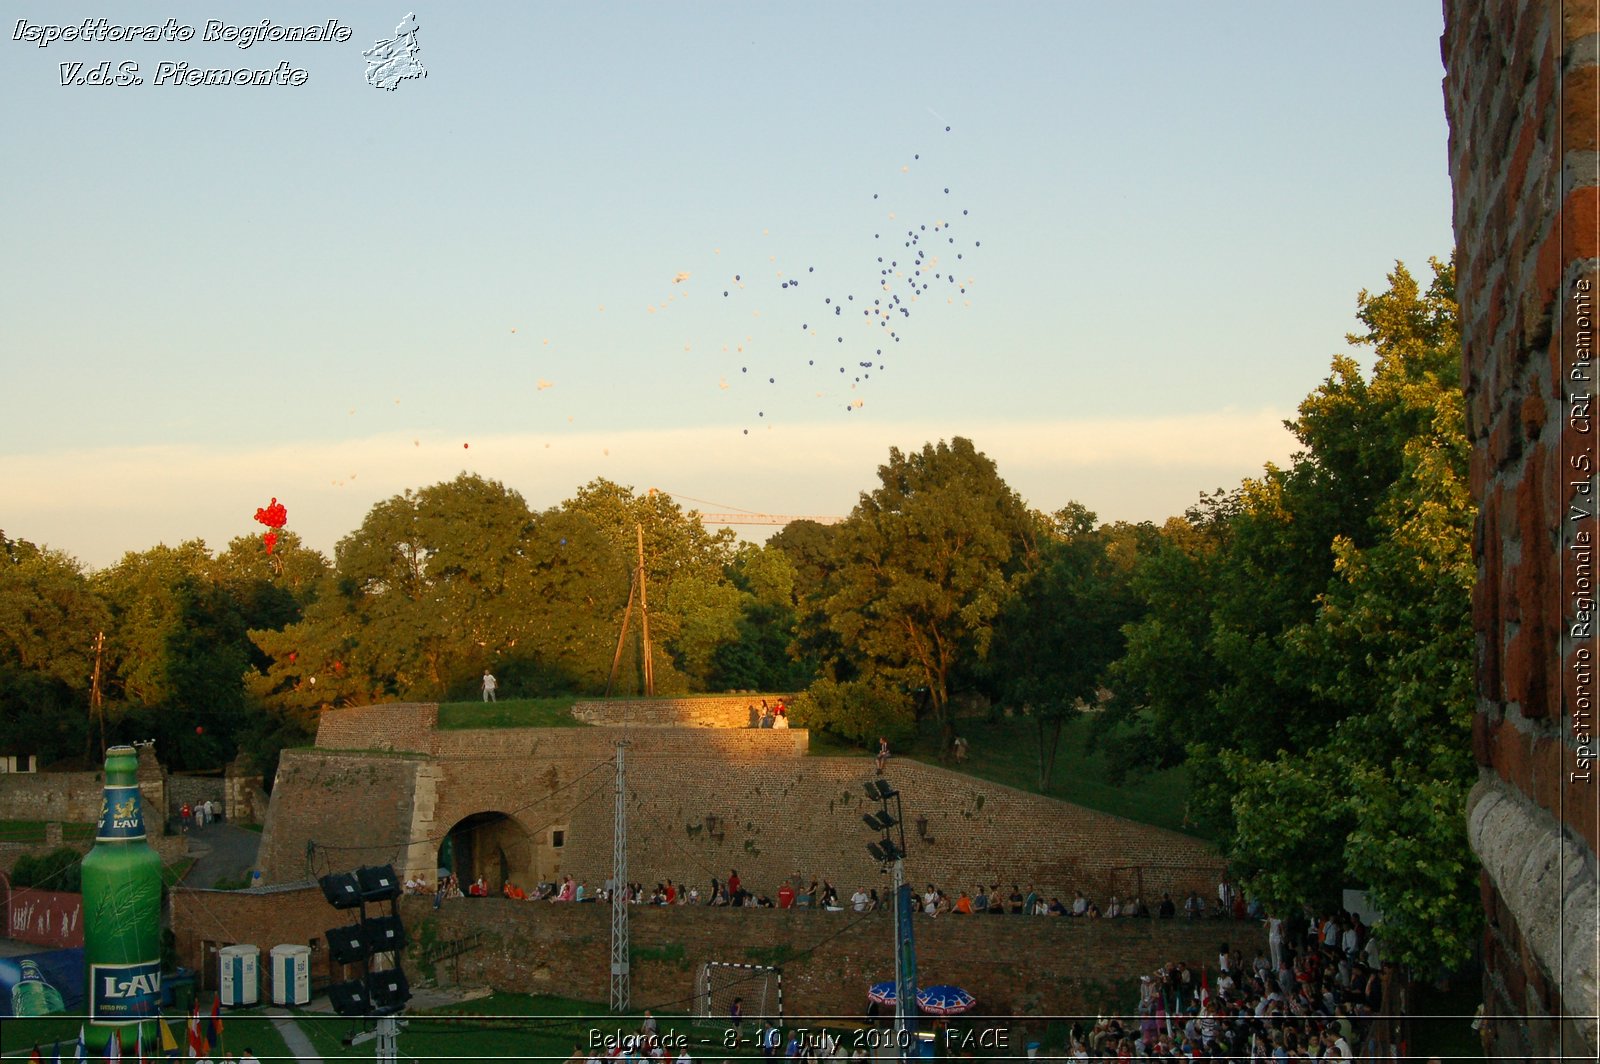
(41, 984)
(45, 917)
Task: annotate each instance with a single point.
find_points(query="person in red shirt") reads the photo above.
(733, 886)
(785, 896)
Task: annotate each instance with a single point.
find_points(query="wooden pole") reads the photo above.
(644, 622)
(616, 659)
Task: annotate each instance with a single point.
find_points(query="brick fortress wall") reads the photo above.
(1520, 93)
(704, 801)
(1014, 965)
(708, 711)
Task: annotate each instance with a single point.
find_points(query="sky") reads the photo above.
(644, 241)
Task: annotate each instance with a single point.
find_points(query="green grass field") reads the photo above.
(1006, 751)
(506, 1027)
(33, 831)
(510, 713)
(239, 1030)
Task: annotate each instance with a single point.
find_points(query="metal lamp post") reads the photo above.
(887, 851)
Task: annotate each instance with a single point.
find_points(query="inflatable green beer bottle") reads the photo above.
(121, 909)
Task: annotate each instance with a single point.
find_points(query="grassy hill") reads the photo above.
(1006, 751)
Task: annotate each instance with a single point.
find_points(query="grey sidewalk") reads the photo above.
(292, 1035)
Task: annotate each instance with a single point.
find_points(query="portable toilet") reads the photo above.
(240, 979)
(291, 975)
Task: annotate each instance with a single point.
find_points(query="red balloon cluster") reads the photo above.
(274, 516)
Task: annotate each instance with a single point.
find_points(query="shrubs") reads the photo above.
(56, 870)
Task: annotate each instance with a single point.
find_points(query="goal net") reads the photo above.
(757, 987)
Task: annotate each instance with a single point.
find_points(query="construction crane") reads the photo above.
(736, 516)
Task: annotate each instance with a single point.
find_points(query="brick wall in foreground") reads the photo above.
(1520, 93)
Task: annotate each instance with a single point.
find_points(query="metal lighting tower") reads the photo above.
(905, 950)
(620, 990)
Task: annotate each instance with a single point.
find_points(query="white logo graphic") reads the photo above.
(393, 61)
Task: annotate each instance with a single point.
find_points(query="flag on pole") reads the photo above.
(83, 1045)
(114, 1047)
(169, 1044)
(1205, 990)
(35, 1054)
(138, 1043)
(58, 1052)
(197, 1041)
(214, 1025)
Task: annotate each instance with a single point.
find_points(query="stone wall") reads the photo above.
(183, 787)
(706, 711)
(74, 797)
(703, 802)
(1520, 93)
(1033, 965)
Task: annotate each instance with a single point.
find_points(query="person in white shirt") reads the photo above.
(859, 900)
(489, 684)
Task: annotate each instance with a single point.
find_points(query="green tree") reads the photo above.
(1057, 636)
(925, 562)
(49, 617)
(176, 653)
(693, 610)
(1321, 618)
(439, 584)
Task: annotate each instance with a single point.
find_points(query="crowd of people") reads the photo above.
(1320, 991)
(820, 893)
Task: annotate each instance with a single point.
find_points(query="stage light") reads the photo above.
(350, 999)
(348, 945)
(341, 890)
(378, 883)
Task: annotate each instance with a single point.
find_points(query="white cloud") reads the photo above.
(96, 504)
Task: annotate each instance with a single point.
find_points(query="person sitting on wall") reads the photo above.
(1015, 899)
(963, 905)
(786, 896)
(780, 721)
(479, 888)
(829, 898)
(859, 900)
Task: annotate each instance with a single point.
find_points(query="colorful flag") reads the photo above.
(138, 1043)
(114, 1047)
(58, 1052)
(197, 1041)
(1205, 990)
(83, 1045)
(35, 1054)
(169, 1044)
(214, 1026)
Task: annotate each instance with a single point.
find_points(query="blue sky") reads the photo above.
(1164, 212)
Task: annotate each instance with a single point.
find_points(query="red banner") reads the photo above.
(45, 917)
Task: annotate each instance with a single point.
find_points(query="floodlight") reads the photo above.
(348, 945)
(880, 790)
(879, 821)
(390, 990)
(350, 999)
(385, 934)
(880, 851)
(378, 883)
(341, 890)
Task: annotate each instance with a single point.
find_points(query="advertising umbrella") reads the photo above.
(944, 1000)
(882, 993)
